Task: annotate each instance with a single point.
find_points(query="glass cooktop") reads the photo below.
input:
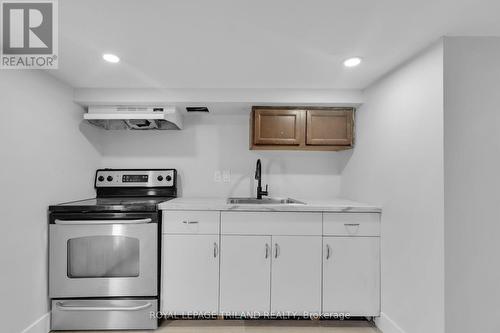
(119, 204)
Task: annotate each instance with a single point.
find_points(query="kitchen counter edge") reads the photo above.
(217, 204)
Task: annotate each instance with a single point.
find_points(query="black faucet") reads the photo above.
(258, 177)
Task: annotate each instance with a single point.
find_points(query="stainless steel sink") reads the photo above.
(264, 201)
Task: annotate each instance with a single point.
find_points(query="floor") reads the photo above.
(258, 326)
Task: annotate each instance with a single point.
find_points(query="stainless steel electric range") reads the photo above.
(104, 261)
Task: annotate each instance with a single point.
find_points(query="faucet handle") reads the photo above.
(266, 191)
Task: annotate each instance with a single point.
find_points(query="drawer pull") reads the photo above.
(138, 221)
(63, 307)
(352, 228)
(190, 222)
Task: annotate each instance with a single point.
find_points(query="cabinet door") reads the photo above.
(296, 274)
(278, 127)
(190, 280)
(329, 128)
(351, 275)
(245, 275)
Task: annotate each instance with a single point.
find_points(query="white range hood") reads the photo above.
(134, 117)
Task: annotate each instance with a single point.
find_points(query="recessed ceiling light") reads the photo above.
(352, 62)
(111, 58)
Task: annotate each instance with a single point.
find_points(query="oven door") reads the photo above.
(103, 257)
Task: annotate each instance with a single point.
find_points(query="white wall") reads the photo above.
(45, 159)
(220, 142)
(398, 164)
(472, 163)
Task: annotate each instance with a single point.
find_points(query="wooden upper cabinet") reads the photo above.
(329, 128)
(278, 127)
(301, 128)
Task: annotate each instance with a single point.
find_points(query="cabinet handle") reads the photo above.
(267, 251)
(276, 250)
(190, 222)
(328, 250)
(351, 224)
(216, 249)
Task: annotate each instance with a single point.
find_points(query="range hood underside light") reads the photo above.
(133, 124)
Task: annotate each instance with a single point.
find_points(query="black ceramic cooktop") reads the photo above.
(117, 204)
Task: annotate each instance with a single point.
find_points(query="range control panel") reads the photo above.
(135, 178)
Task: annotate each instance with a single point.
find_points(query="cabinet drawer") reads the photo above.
(271, 223)
(190, 222)
(103, 314)
(351, 224)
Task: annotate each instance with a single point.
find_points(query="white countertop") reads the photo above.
(330, 205)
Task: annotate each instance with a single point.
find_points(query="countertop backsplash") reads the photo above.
(211, 143)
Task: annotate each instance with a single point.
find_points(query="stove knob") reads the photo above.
(160, 178)
(168, 178)
(100, 178)
(109, 178)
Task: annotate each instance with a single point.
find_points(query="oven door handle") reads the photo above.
(61, 306)
(138, 221)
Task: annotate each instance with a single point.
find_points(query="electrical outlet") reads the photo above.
(226, 176)
(217, 176)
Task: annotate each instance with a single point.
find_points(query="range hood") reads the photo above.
(134, 117)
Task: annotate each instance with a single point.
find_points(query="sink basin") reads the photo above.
(264, 201)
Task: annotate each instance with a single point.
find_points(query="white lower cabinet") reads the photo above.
(351, 275)
(245, 274)
(296, 275)
(278, 274)
(190, 274)
(271, 263)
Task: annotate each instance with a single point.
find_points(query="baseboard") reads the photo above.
(387, 325)
(41, 325)
(383, 323)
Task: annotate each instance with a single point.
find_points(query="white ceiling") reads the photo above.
(254, 43)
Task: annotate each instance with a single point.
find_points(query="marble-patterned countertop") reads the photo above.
(329, 205)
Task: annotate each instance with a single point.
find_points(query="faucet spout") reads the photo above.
(258, 170)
